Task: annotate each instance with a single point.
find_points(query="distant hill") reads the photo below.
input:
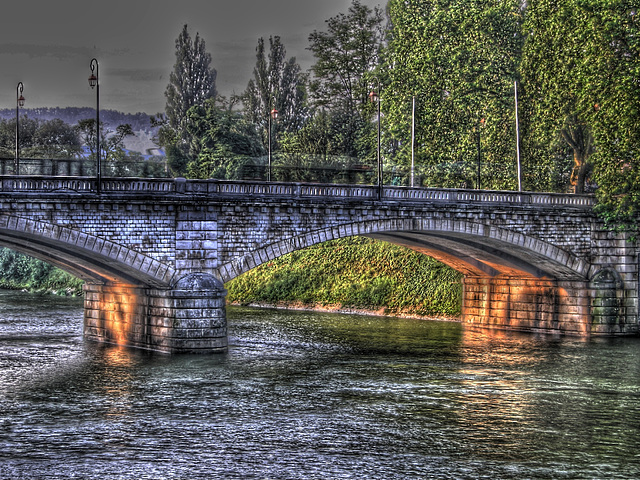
(140, 122)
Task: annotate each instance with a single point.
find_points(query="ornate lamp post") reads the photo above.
(19, 105)
(94, 83)
(374, 97)
(273, 115)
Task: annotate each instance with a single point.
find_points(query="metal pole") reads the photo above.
(18, 97)
(379, 162)
(479, 156)
(269, 166)
(413, 137)
(515, 84)
(94, 66)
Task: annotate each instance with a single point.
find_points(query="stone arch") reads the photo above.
(89, 257)
(475, 249)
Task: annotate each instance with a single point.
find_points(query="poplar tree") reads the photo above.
(277, 83)
(191, 82)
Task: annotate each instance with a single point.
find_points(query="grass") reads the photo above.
(354, 273)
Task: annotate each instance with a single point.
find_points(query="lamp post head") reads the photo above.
(93, 79)
(274, 114)
(373, 97)
(19, 97)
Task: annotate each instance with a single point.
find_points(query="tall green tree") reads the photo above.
(277, 83)
(459, 59)
(344, 54)
(192, 81)
(581, 69)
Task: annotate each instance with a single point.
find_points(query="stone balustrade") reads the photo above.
(291, 190)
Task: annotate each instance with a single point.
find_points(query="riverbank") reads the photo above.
(20, 272)
(381, 312)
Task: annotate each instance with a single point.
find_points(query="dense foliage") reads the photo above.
(357, 273)
(582, 62)
(39, 138)
(19, 271)
(459, 60)
(223, 142)
(191, 83)
(577, 64)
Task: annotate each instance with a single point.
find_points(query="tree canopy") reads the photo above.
(581, 67)
(345, 53)
(223, 142)
(279, 84)
(38, 138)
(459, 60)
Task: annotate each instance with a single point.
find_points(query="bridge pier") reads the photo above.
(190, 318)
(550, 306)
(527, 304)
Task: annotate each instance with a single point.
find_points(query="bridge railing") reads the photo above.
(239, 188)
(66, 167)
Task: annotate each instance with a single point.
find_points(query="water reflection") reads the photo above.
(304, 395)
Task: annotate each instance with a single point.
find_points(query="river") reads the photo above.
(305, 395)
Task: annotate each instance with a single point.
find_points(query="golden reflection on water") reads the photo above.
(118, 379)
(493, 377)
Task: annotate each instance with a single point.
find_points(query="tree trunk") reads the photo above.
(577, 135)
(579, 173)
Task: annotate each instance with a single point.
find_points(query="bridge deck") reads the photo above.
(222, 188)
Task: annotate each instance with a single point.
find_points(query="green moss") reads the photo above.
(356, 273)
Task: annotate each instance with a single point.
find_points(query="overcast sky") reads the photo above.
(48, 45)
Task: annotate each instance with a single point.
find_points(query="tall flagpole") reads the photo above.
(515, 84)
(413, 137)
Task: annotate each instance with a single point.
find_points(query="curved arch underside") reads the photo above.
(472, 249)
(480, 256)
(87, 257)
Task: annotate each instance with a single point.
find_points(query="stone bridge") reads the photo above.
(155, 253)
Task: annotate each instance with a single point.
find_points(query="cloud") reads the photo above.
(139, 74)
(59, 52)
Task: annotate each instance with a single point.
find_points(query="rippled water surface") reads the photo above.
(307, 395)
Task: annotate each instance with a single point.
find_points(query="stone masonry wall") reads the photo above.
(587, 281)
(169, 321)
